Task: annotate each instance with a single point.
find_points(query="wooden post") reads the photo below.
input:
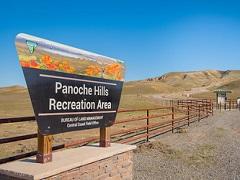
(44, 153)
(188, 113)
(105, 137)
(172, 119)
(230, 105)
(147, 125)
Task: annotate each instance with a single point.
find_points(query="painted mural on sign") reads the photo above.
(70, 89)
(38, 53)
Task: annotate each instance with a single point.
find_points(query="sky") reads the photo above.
(151, 37)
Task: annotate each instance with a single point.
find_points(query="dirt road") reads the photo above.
(209, 149)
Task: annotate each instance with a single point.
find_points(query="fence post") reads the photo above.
(44, 152)
(105, 137)
(230, 105)
(188, 113)
(147, 125)
(172, 118)
(199, 113)
(206, 106)
(211, 107)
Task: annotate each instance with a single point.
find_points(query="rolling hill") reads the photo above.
(193, 82)
(15, 101)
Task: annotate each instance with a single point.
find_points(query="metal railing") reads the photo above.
(148, 123)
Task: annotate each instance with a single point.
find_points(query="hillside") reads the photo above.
(234, 86)
(12, 89)
(197, 78)
(15, 101)
(183, 83)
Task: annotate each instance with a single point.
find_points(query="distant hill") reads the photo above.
(197, 78)
(15, 101)
(172, 82)
(197, 81)
(14, 89)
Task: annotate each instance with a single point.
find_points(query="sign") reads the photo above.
(70, 89)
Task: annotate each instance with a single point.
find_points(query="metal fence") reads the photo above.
(145, 124)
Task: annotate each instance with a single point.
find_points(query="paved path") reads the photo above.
(209, 149)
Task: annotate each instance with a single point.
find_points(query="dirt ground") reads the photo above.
(209, 149)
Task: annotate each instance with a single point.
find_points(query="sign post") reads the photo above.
(44, 152)
(70, 89)
(105, 137)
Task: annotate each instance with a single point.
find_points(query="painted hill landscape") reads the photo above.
(15, 101)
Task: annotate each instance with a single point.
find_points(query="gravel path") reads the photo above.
(209, 149)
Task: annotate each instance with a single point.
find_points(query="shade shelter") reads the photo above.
(221, 96)
(238, 102)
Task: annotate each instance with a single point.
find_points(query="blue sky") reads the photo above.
(152, 37)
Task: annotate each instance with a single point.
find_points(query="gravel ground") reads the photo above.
(209, 149)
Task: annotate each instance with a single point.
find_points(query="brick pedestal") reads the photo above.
(88, 162)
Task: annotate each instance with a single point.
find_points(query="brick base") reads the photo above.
(115, 167)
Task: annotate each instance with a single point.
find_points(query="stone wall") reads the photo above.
(116, 167)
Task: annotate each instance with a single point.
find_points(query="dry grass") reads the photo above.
(181, 130)
(161, 148)
(219, 132)
(184, 81)
(14, 101)
(177, 83)
(203, 155)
